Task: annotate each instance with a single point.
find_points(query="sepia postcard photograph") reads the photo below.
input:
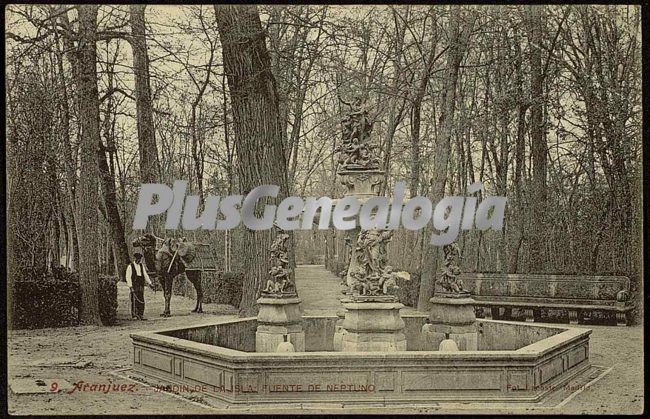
(299, 209)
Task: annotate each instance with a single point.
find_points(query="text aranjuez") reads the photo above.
(294, 213)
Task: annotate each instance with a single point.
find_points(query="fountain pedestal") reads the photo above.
(452, 317)
(373, 326)
(361, 182)
(279, 317)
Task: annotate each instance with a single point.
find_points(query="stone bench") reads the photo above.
(579, 295)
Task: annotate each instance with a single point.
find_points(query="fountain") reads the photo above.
(368, 352)
(372, 321)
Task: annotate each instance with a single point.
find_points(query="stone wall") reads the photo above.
(598, 289)
(238, 334)
(246, 377)
(508, 336)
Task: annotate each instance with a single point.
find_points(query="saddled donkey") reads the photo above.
(168, 262)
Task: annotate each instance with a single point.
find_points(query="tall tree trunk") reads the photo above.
(416, 111)
(503, 107)
(520, 160)
(257, 128)
(149, 165)
(118, 248)
(457, 46)
(197, 132)
(88, 220)
(116, 226)
(538, 141)
(396, 104)
(69, 158)
(230, 176)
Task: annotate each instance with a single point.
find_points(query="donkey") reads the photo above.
(168, 265)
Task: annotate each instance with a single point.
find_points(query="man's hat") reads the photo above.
(137, 251)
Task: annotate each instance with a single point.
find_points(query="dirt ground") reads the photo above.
(38, 354)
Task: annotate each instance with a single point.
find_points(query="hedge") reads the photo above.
(53, 299)
(218, 287)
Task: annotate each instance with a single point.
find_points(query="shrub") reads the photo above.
(336, 266)
(226, 289)
(45, 303)
(53, 299)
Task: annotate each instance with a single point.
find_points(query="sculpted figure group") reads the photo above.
(372, 275)
(281, 280)
(448, 280)
(356, 150)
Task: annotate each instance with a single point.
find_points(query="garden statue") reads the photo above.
(372, 275)
(356, 151)
(281, 282)
(448, 281)
(388, 280)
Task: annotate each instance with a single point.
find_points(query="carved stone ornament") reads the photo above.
(281, 282)
(372, 277)
(448, 282)
(356, 151)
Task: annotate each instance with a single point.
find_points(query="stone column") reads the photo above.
(373, 326)
(361, 183)
(372, 320)
(278, 317)
(452, 308)
(453, 318)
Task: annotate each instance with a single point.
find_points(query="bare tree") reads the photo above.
(149, 165)
(88, 196)
(257, 128)
(460, 28)
(538, 140)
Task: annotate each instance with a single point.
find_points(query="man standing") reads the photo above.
(136, 275)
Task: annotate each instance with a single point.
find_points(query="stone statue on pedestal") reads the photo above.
(356, 151)
(448, 282)
(279, 321)
(372, 320)
(281, 282)
(452, 317)
(372, 276)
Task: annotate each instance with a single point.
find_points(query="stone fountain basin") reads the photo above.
(516, 362)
